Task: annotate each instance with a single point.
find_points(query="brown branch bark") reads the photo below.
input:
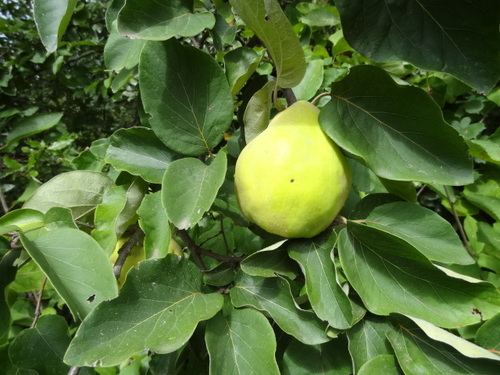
(38, 308)
(125, 251)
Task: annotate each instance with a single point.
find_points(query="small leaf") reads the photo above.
(392, 276)
(76, 266)
(428, 232)
(187, 95)
(235, 345)
(148, 19)
(159, 306)
(367, 340)
(457, 37)
(257, 111)
(273, 296)
(488, 335)
(154, 223)
(139, 152)
(331, 358)
(418, 354)
(52, 18)
(80, 191)
(189, 188)
(32, 125)
(121, 52)
(240, 65)
(381, 364)
(42, 348)
(270, 262)
(326, 296)
(311, 82)
(398, 131)
(267, 20)
(22, 219)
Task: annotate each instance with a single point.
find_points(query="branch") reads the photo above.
(5, 207)
(125, 251)
(289, 96)
(465, 240)
(38, 308)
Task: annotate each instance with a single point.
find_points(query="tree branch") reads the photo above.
(38, 308)
(125, 251)
(461, 230)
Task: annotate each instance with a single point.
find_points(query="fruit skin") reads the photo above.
(292, 180)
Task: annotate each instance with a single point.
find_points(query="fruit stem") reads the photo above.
(315, 100)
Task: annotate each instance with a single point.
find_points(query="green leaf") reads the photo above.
(139, 152)
(187, 95)
(32, 125)
(463, 346)
(381, 364)
(240, 64)
(328, 300)
(154, 223)
(311, 82)
(235, 345)
(367, 340)
(428, 232)
(80, 191)
(42, 348)
(59, 217)
(22, 219)
(456, 37)
(398, 131)
(76, 266)
(270, 262)
(417, 354)
(189, 188)
(52, 18)
(121, 52)
(331, 358)
(273, 296)
(488, 335)
(257, 111)
(7, 276)
(159, 306)
(267, 20)
(391, 276)
(320, 17)
(148, 19)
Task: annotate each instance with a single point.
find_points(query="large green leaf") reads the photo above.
(42, 348)
(187, 95)
(398, 131)
(391, 276)
(454, 36)
(80, 191)
(76, 266)
(159, 307)
(237, 347)
(326, 296)
(428, 232)
(273, 296)
(153, 20)
(367, 340)
(139, 152)
(189, 188)
(418, 354)
(32, 125)
(267, 20)
(51, 18)
(331, 358)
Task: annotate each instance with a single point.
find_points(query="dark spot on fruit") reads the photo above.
(292, 180)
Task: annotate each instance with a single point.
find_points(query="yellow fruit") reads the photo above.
(174, 247)
(136, 255)
(292, 180)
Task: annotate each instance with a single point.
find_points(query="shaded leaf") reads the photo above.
(488, 335)
(76, 266)
(189, 188)
(187, 95)
(257, 111)
(457, 37)
(270, 262)
(267, 20)
(381, 364)
(80, 191)
(42, 348)
(121, 52)
(148, 19)
(241, 343)
(51, 19)
(398, 131)
(159, 306)
(392, 276)
(32, 125)
(240, 65)
(327, 298)
(154, 223)
(273, 296)
(7, 276)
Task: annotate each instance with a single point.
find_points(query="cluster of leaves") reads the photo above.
(407, 282)
(51, 105)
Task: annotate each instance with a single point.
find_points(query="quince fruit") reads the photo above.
(292, 180)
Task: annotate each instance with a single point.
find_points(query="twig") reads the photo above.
(86, 225)
(465, 240)
(289, 96)
(195, 249)
(317, 98)
(38, 308)
(125, 251)
(5, 207)
(74, 370)
(78, 57)
(226, 244)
